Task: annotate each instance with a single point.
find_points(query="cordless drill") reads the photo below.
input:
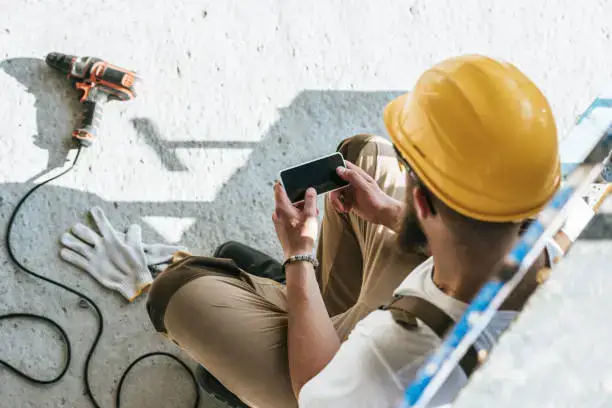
(98, 82)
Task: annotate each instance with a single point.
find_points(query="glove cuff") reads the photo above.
(143, 276)
(131, 292)
(144, 279)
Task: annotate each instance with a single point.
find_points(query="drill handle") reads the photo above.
(92, 115)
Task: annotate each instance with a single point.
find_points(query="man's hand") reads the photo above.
(296, 227)
(364, 198)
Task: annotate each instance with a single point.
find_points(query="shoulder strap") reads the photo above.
(407, 309)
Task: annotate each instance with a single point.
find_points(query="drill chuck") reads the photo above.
(60, 62)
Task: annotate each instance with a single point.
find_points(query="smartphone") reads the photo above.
(318, 173)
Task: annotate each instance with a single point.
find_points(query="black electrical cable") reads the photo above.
(59, 328)
(156, 353)
(49, 321)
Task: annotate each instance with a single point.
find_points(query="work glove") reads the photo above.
(118, 261)
(158, 256)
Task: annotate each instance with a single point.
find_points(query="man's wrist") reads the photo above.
(393, 214)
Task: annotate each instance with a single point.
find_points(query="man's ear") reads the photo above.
(421, 206)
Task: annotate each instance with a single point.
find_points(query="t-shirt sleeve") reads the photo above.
(373, 366)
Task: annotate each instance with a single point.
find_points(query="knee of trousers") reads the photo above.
(170, 281)
(365, 143)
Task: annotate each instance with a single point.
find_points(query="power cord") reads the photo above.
(57, 327)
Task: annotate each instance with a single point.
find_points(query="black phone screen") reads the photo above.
(319, 174)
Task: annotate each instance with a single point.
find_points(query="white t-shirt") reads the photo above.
(380, 358)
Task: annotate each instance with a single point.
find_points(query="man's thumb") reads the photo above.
(351, 176)
(310, 202)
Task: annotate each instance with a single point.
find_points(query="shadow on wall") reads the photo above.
(57, 107)
(312, 125)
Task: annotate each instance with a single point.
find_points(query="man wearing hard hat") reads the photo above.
(473, 155)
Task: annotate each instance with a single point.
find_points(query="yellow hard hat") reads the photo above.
(481, 136)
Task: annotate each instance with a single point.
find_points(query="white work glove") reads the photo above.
(116, 260)
(161, 254)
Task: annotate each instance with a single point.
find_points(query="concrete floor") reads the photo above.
(233, 92)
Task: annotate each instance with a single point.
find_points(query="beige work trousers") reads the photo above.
(235, 324)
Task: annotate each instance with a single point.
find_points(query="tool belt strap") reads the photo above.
(407, 309)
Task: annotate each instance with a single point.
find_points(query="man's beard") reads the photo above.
(411, 237)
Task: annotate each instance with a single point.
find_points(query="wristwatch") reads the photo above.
(301, 258)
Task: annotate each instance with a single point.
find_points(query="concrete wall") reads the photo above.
(232, 93)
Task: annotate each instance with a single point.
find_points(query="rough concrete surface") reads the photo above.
(233, 92)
